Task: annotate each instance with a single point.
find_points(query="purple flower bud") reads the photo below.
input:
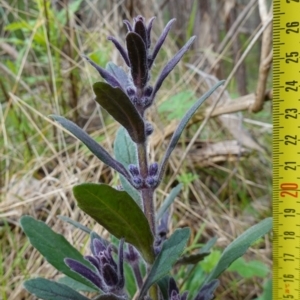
(151, 181)
(153, 169)
(174, 292)
(138, 181)
(148, 91)
(132, 256)
(98, 246)
(130, 91)
(134, 170)
(149, 129)
(146, 102)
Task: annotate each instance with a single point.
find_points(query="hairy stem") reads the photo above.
(147, 193)
(138, 276)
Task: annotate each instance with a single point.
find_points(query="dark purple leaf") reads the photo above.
(160, 42)
(94, 261)
(121, 49)
(207, 291)
(119, 106)
(181, 126)
(171, 64)
(128, 25)
(140, 29)
(137, 54)
(104, 74)
(172, 286)
(98, 246)
(93, 146)
(85, 272)
(149, 28)
(109, 275)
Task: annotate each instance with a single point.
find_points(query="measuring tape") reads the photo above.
(286, 149)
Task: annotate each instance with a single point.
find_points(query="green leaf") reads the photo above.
(171, 250)
(75, 224)
(267, 292)
(94, 147)
(249, 269)
(176, 106)
(168, 201)
(239, 246)
(118, 213)
(137, 55)
(51, 290)
(126, 153)
(54, 247)
(181, 126)
(208, 245)
(75, 285)
(164, 286)
(119, 106)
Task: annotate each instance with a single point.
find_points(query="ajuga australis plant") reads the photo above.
(140, 233)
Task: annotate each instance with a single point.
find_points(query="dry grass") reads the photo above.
(40, 164)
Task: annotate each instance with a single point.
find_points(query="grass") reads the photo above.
(39, 164)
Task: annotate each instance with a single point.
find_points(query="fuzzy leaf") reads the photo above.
(118, 213)
(119, 73)
(171, 64)
(119, 106)
(51, 290)
(164, 286)
(75, 224)
(110, 79)
(239, 246)
(171, 250)
(138, 59)
(75, 285)
(54, 247)
(177, 133)
(168, 201)
(160, 41)
(126, 153)
(92, 145)
(120, 48)
(140, 29)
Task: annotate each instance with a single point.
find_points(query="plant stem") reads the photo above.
(147, 193)
(137, 274)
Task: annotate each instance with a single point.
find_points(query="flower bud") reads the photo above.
(134, 170)
(153, 169)
(149, 129)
